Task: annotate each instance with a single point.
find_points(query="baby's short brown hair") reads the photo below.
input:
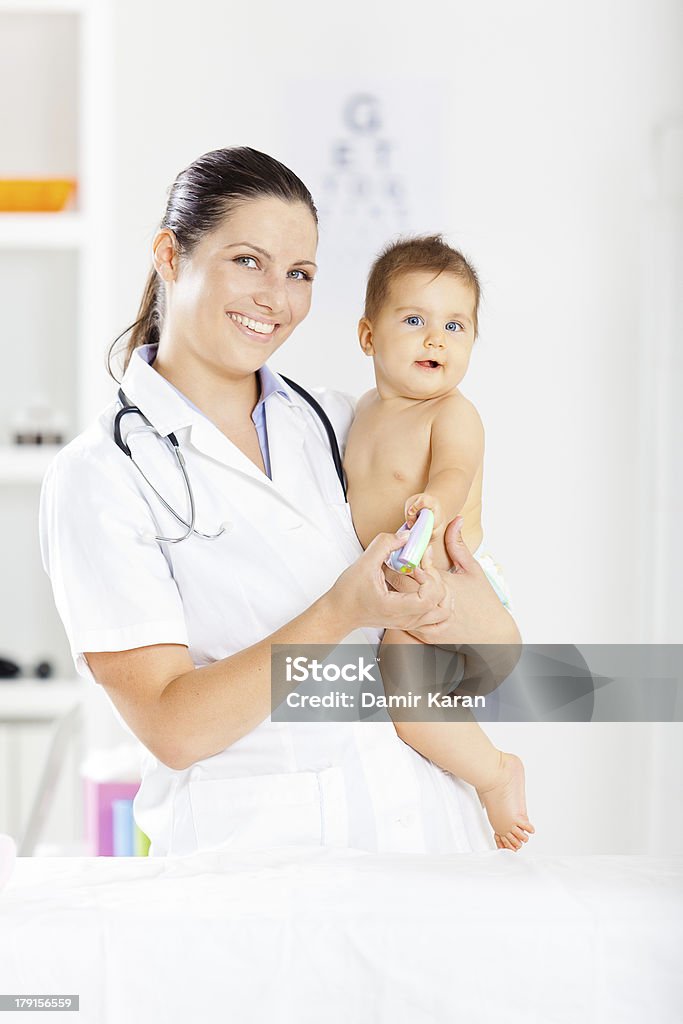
(423, 252)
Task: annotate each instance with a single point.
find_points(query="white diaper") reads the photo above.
(494, 574)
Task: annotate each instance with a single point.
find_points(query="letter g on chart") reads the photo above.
(361, 113)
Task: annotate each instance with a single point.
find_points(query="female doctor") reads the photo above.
(187, 534)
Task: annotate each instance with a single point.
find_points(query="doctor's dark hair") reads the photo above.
(423, 252)
(199, 198)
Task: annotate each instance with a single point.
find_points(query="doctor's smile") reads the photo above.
(252, 326)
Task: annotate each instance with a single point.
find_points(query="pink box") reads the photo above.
(98, 798)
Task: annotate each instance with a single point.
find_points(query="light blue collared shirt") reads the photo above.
(269, 385)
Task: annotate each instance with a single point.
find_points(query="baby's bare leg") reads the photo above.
(462, 748)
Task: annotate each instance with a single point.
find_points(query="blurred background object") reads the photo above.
(38, 424)
(35, 195)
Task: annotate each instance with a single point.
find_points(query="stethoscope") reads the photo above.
(172, 442)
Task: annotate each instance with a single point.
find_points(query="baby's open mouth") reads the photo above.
(429, 364)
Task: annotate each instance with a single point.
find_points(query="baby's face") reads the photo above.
(422, 338)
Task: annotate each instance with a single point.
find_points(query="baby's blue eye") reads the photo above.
(414, 321)
(303, 275)
(246, 261)
(453, 325)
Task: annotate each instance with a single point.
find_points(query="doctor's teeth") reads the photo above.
(254, 325)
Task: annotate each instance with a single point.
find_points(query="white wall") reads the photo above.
(549, 143)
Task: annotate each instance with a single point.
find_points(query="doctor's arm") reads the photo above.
(183, 714)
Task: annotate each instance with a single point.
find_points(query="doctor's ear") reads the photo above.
(365, 335)
(165, 252)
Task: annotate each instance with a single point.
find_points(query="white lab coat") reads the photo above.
(286, 542)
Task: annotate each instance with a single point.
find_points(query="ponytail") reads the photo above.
(145, 330)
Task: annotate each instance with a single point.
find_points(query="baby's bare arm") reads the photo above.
(456, 453)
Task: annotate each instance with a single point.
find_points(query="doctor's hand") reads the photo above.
(365, 599)
(476, 615)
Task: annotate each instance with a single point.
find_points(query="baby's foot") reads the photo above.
(505, 804)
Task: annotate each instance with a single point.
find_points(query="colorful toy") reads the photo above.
(410, 555)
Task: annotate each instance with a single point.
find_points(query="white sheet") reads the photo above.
(324, 936)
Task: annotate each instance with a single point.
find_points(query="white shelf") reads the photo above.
(43, 699)
(70, 42)
(44, 6)
(41, 230)
(25, 464)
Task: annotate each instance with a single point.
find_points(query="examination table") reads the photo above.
(321, 935)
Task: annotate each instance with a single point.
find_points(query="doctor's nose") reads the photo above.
(271, 295)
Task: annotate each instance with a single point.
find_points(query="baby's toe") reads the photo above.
(513, 840)
(520, 833)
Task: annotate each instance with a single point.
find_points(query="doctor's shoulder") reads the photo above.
(92, 452)
(340, 408)
(87, 475)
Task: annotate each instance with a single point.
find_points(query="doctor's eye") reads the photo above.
(246, 261)
(453, 325)
(414, 321)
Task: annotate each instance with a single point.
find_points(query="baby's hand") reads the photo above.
(417, 502)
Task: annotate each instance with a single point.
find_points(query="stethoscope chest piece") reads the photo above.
(126, 408)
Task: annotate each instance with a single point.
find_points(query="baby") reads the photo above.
(416, 434)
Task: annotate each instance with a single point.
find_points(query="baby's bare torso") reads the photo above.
(388, 458)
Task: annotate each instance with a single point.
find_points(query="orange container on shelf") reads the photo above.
(35, 195)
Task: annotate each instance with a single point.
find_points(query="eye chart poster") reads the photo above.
(372, 154)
